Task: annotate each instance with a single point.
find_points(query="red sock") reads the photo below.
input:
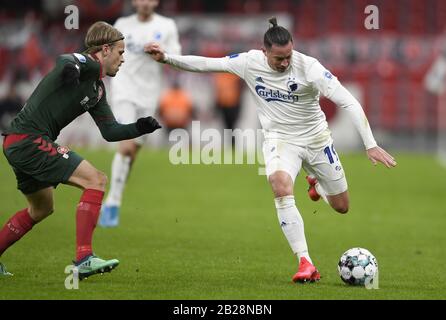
(86, 217)
(16, 227)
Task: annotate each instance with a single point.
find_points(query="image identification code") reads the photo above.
(223, 309)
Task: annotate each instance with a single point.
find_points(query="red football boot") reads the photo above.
(312, 193)
(307, 272)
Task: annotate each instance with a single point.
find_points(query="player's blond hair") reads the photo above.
(101, 33)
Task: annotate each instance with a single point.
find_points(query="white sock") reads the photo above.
(292, 226)
(120, 172)
(321, 192)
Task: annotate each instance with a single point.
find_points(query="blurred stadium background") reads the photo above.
(384, 68)
(215, 226)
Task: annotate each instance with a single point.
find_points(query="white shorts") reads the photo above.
(323, 163)
(128, 112)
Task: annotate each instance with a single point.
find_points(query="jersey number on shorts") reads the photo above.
(330, 151)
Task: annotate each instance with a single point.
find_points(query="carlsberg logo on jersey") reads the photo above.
(275, 95)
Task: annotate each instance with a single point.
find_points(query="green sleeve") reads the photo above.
(110, 129)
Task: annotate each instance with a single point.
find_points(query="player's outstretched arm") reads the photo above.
(196, 63)
(344, 99)
(113, 131)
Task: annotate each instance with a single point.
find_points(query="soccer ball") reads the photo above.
(357, 266)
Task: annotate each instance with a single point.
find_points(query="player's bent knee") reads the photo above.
(339, 202)
(342, 209)
(281, 186)
(341, 206)
(38, 214)
(98, 181)
(101, 180)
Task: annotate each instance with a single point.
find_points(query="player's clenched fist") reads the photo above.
(155, 51)
(147, 125)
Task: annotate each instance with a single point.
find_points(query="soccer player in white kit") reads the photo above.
(136, 90)
(287, 85)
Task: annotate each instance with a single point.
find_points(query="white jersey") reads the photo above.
(288, 102)
(139, 78)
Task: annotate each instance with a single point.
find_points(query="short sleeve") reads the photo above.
(322, 79)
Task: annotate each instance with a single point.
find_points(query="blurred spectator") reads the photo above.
(227, 98)
(175, 108)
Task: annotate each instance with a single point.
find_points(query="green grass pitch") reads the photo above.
(211, 232)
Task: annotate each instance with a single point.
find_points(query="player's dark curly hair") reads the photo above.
(276, 34)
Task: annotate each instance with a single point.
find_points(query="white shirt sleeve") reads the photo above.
(344, 99)
(173, 45)
(322, 79)
(235, 64)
